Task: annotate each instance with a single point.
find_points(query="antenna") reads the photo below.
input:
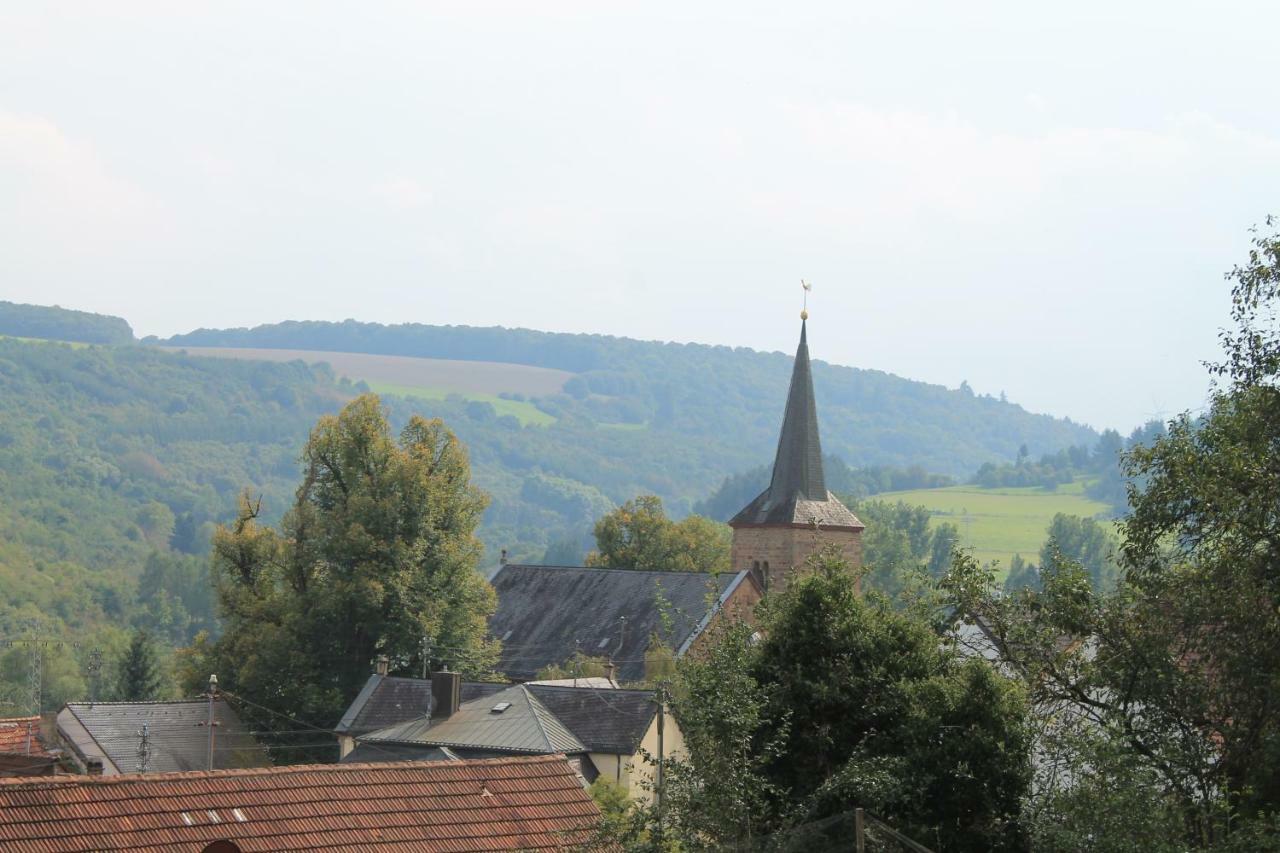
(144, 748)
(95, 668)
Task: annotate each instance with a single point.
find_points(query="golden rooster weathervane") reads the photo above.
(804, 311)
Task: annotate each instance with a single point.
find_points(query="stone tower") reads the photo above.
(796, 516)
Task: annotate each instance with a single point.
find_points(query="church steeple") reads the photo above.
(796, 516)
(797, 468)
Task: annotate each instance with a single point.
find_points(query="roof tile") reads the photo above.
(448, 807)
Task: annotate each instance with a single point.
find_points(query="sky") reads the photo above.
(1038, 199)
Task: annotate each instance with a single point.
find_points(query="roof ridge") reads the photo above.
(544, 716)
(200, 699)
(286, 770)
(618, 569)
(610, 691)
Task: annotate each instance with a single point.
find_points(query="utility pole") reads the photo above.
(662, 715)
(426, 655)
(36, 676)
(859, 831)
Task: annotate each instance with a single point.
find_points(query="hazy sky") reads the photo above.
(1038, 198)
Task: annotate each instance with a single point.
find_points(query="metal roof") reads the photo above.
(797, 493)
(547, 613)
(178, 733)
(525, 803)
(524, 725)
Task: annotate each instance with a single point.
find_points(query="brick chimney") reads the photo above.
(382, 665)
(93, 766)
(446, 694)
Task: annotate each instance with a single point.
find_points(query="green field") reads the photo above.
(998, 523)
(72, 344)
(426, 378)
(526, 413)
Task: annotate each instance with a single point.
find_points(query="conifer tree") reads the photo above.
(140, 676)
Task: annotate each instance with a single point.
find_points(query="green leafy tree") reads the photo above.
(900, 550)
(378, 551)
(1168, 682)
(1083, 541)
(881, 714)
(839, 700)
(140, 674)
(639, 535)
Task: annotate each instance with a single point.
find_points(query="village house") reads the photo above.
(604, 730)
(22, 749)
(105, 737)
(515, 803)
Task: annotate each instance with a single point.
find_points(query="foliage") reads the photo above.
(846, 700)
(377, 552)
(717, 797)
(1081, 541)
(639, 535)
(61, 324)
(1158, 695)
(579, 665)
(140, 673)
(725, 403)
(899, 547)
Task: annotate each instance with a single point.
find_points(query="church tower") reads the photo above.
(796, 516)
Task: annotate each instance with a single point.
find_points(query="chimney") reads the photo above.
(93, 766)
(382, 665)
(446, 694)
(502, 560)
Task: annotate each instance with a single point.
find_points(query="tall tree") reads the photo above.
(140, 676)
(377, 552)
(639, 535)
(839, 700)
(1169, 681)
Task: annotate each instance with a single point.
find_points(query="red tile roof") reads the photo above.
(14, 737)
(535, 803)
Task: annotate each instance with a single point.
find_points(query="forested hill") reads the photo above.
(709, 403)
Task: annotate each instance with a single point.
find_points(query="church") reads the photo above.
(548, 614)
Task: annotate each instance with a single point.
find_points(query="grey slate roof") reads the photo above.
(176, 730)
(546, 613)
(524, 726)
(609, 721)
(386, 700)
(797, 493)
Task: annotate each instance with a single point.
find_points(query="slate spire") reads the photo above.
(797, 494)
(797, 468)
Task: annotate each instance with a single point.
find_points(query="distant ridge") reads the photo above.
(712, 393)
(62, 324)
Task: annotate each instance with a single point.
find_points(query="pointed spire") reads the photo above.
(797, 494)
(797, 468)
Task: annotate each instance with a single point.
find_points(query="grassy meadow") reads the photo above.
(998, 523)
(426, 378)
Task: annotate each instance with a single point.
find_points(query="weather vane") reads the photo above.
(804, 311)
